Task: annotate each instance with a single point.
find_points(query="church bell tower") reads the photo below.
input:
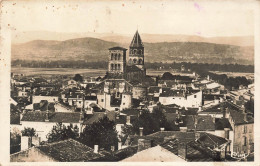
(136, 52)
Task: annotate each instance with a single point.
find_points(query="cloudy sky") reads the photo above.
(124, 17)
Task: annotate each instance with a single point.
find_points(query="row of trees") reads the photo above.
(228, 82)
(149, 65)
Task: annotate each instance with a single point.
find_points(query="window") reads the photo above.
(79, 102)
(140, 61)
(135, 61)
(119, 67)
(245, 141)
(245, 129)
(112, 66)
(123, 103)
(102, 100)
(195, 96)
(112, 56)
(119, 56)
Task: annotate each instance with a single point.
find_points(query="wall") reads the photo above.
(30, 155)
(194, 100)
(239, 134)
(50, 99)
(126, 101)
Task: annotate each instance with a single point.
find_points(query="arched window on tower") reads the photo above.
(112, 56)
(119, 56)
(115, 66)
(119, 67)
(134, 51)
(112, 67)
(115, 57)
(135, 61)
(140, 61)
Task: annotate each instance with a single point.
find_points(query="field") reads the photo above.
(69, 71)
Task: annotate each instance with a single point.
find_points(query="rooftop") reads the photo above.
(118, 48)
(69, 151)
(137, 41)
(40, 116)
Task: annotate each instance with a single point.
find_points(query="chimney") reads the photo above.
(81, 117)
(95, 148)
(119, 145)
(226, 133)
(112, 148)
(47, 116)
(214, 119)
(182, 150)
(128, 118)
(141, 131)
(162, 128)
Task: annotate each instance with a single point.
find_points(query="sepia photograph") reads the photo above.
(128, 81)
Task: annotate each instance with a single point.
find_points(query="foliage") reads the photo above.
(30, 132)
(102, 133)
(78, 78)
(151, 122)
(61, 132)
(15, 141)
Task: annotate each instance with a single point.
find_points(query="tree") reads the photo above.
(102, 133)
(61, 132)
(15, 141)
(78, 78)
(30, 132)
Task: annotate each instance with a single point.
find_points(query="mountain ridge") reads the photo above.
(93, 49)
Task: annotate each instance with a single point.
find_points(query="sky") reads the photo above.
(207, 19)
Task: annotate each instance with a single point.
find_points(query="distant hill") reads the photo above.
(22, 37)
(93, 49)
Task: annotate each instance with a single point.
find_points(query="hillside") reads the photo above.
(92, 49)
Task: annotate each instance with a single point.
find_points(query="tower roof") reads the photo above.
(137, 41)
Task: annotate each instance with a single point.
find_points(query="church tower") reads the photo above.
(117, 60)
(136, 52)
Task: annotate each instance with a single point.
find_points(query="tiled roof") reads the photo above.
(64, 117)
(221, 123)
(204, 123)
(211, 141)
(128, 112)
(69, 151)
(193, 154)
(132, 68)
(15, 118)
(96, 116)
(117, 48)
(154, 89)
(137, 41)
